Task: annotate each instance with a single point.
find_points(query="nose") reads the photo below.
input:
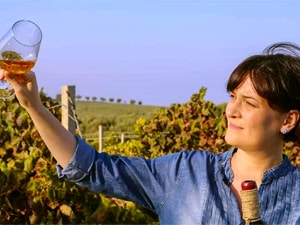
(233, 108)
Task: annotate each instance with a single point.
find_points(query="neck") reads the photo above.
(252, 165)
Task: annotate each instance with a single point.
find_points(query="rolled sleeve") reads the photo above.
(80, 164)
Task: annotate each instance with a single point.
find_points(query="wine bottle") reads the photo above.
(250, 203)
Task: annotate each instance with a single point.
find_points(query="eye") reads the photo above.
(231, 95)
(251, 103)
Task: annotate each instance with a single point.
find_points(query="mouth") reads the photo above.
(233, 126)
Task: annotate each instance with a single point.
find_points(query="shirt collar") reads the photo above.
(275, 172)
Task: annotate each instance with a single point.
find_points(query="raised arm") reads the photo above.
(60, 141)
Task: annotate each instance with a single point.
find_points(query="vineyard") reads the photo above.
(31, 192)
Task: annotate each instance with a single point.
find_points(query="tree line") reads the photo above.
(102, 99)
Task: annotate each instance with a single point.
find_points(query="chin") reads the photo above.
(231, 139)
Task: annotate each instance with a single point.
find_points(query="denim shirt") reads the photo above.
(188, 187)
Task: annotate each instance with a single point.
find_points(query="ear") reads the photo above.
(290, 121)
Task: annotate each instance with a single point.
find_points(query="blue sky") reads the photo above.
(155, 51)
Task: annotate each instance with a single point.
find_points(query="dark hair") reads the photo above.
(275, 75)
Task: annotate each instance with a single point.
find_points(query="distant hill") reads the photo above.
(113, 116)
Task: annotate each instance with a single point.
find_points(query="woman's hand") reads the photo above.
(25, 87)
(60, 141)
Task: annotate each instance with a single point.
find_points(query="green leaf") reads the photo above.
(11, 55)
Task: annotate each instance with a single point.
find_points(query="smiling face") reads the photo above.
(252, 123)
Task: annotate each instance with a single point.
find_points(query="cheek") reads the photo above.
(261, 125)
(272, 124)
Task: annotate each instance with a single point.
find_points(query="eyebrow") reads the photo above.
(252, 98)
(248, 97)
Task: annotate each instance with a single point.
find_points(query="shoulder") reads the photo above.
(296, 171)
(288, 167)
(198, 157)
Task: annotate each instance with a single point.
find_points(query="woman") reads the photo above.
(199, 187)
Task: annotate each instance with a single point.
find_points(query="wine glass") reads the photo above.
(19, 49)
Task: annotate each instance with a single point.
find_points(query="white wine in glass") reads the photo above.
(19, 49)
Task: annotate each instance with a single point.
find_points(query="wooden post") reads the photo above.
(100, 138)
(122, 137)
(68, 105)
